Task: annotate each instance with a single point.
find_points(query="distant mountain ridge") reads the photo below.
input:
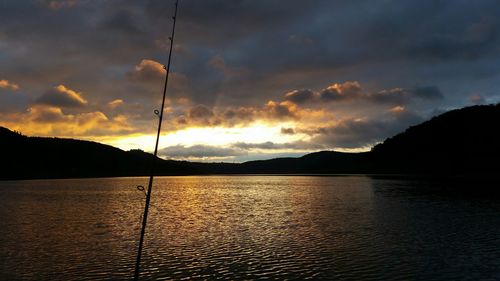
(462, 141)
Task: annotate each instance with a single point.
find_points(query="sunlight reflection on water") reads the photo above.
(245, 227)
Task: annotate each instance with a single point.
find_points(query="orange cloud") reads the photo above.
(351, 88)
(270, 113)
(151, 75)
(6, 84)
(43, 120)
(397, 109)
(115, 103)
(348, 90)
(282, 110)
(301, 96)
(62, 96)
(147, 70)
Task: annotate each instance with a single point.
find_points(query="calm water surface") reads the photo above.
(247, 227)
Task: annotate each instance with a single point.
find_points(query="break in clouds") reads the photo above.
(325, 74)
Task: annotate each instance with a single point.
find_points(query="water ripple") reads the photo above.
(245, 227)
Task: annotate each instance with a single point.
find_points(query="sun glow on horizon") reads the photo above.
(213, 136)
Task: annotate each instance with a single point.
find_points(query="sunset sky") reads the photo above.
(250, 79)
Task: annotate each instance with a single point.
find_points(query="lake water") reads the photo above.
(247, 227)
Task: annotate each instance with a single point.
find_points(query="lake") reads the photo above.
(248, 227)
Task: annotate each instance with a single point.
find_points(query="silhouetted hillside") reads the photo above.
(36, 157)
(324, 162)
(459, 141)
(463, 141)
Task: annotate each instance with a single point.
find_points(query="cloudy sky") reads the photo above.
(251, 79)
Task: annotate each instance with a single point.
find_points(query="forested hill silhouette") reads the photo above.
(35, 157)
(463, 141)
(456, 142)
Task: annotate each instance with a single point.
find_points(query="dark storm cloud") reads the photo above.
(12, 101)
(239, 114)
(403, 96)
(281, 110)
(58, 4)
(301, 96)
(203, 115)
(265, 38)
(234, 151)
(200, 112)
(218, 22)
(352, 91)
(240, 56)
(287, 131)
(264, 145)
(199, 151)
(349, 90)
(392, 96)
(473, 40)
(298, 145)
(122, 21)
(354, 133)
(428, 92)
(341, 32)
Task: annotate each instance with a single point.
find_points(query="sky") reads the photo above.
(250, 79)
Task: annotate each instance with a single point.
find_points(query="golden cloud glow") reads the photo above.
(62, 96)
(42, 120)
(345, 88)
(149, 65)
(397, 109)
(6, 84)
(304, 121)
(151, 74)
(282, 109)
(214, 136)
(71, 93)
(115, 103)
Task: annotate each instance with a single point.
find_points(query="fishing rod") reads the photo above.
(159, 113)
